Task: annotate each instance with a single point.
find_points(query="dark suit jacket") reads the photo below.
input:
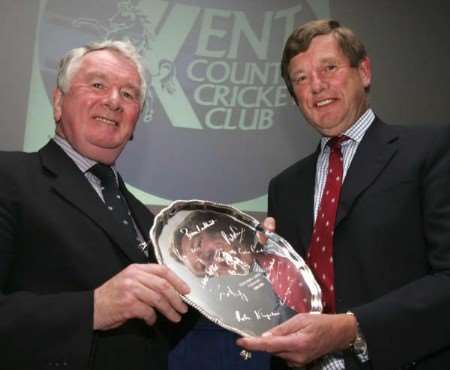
(57, 244)
(391, 241)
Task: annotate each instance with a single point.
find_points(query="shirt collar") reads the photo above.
(82, 162)
(355, 132)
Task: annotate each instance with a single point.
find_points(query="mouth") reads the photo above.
(323, 103)
(108, 121)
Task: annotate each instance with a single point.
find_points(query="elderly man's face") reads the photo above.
(98, 114)
(329, 92)
(212, 255)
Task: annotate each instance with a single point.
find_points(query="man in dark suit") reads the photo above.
(387, 304)
(79, 289)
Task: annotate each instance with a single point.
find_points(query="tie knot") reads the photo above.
(105, 174)
(336, 141)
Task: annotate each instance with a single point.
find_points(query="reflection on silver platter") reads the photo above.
(236, 281)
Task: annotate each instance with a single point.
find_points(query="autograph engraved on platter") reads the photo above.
(197, 229)
(233, 234)
(230, 293)
(258, 314)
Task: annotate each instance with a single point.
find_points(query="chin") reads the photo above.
(103, 155)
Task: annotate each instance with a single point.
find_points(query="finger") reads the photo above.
(255, 344)
(164, 272)
(166, 283)
(249, 342)
(150, 317)
(146, 313)
(160, 303)
(269, 224)
(273, 344)
(159, 293)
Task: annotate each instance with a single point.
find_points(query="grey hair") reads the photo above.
(69, 64)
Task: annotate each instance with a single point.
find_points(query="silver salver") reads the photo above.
(241, 277)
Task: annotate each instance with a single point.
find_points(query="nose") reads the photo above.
(112, 100)
(318, 84)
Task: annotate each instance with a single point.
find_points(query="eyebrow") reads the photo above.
(92, 75)
(326, 59)
(329, 60)
(104, 76)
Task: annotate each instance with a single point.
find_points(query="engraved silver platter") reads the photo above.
(237, 280)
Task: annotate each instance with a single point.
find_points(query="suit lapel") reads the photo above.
(374, 153)
(71, 184)
(303, 185)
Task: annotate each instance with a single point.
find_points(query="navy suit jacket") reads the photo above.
(391, 241)
(57, 244)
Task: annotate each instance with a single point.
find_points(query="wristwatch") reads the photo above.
(359, 345)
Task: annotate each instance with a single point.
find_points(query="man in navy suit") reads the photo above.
(391, 235)
(79, 289)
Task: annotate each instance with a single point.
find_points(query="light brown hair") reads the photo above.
(301, 38)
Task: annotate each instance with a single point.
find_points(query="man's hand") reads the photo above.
(137, 292)
(305, 337)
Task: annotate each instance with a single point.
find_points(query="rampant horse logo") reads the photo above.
(130, 22)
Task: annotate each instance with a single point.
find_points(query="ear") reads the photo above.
(58, 98)
(365, 72)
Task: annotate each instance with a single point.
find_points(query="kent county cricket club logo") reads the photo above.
(129, 22)
(217, 111)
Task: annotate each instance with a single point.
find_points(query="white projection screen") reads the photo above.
(219, 122)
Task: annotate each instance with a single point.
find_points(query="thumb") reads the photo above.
(269, 224)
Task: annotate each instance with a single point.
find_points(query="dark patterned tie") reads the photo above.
(320, 254)
(114, 200)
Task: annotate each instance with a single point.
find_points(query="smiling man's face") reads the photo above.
(329, 91)
(98, 113)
